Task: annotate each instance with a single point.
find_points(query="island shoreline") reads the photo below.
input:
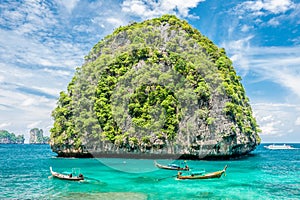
(151, 156)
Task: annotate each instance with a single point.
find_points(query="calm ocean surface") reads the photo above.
(265, 174)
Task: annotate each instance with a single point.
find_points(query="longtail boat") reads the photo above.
(203, 175)
(70, 177)
(172, 167)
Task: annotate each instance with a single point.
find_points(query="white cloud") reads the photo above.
(28, 16)
(1, 77)
(115, 21)
(28, 51)
(48, 90)
(266, 118)
(297, 122)
(277, 64)
(277, 6)
(273, 22)
(288, 78)
(260, 7)
(266, 12)
(149, 9)
(254, 6)
(245, 28)
(29, 102)
(21, 101)
(34, 124)
(238, 49)
(269, 125)
(183, 7)
(291, 131)
(271, 128)
(69, 4)
(56, 72)
(276, 120)
(134, 6)
(3, 125)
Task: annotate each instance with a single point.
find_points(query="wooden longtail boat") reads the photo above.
(210, 175)
(66, 177)
(172, 167)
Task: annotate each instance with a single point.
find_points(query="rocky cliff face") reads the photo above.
(36, 137)
(155, 89)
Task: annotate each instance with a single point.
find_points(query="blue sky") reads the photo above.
(42, 42)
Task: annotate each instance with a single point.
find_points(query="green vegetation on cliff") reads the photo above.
(36, 137)
(10, 138)
(155, 85)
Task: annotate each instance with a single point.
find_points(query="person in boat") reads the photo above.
(70, 175)
(179, 174)
(80, 176)
(187, 167)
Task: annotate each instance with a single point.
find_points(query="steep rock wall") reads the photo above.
(155, 89)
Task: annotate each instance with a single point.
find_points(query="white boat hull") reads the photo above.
(279, 147)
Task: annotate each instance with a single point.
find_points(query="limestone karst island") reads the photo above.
(10, 138)
(155, 89)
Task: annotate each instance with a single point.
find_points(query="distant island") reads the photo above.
(36, 137)
(10, 138)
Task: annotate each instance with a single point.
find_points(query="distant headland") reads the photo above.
(36, 137)
(10, 138)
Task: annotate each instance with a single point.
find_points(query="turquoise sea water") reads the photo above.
(264, 174)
